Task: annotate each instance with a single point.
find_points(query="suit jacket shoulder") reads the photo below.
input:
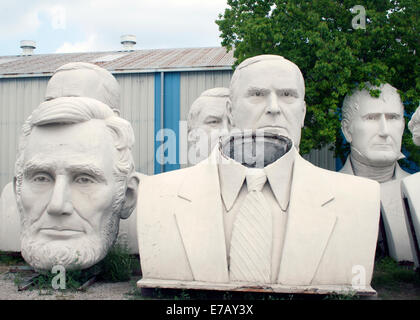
(340, 182)
(332, 227)
(161, 205)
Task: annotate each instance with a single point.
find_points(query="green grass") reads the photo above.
(11, 259)
(388, 273)
(394, 281)
(349, 296)
(74, 279)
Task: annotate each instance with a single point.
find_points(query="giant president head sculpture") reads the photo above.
(74, 181)
(81, 79)
(207, 120)
(374, 126)
(414, 126)
(268, 92)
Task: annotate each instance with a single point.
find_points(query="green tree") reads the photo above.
(334, 57)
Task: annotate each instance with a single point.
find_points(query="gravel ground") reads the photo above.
(97, 291)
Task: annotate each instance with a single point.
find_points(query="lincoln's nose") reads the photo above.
(60, 202)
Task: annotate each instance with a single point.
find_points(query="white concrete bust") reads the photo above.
(207, 121)
(268, 92)
(374, 128)
(75, 79)
(411, 190)
(74, 181)
(318, 224)
(81, 79)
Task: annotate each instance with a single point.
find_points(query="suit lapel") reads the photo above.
(199, 217)
(309, 225)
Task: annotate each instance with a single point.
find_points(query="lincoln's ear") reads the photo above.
(116, 112)
(130, 196)
(14, 186)
(345, 128)
(229, 113)
(304, 114)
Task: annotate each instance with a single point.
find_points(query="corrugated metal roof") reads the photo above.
(120, 61)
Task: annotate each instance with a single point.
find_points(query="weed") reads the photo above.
(74, 279)
(118, 265)
(390, 274)
(18, 280)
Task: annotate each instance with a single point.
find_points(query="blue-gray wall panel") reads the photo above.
(18, 97)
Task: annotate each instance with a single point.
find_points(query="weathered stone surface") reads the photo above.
(332, 219)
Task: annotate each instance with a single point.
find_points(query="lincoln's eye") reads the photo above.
(257, 93)
(286, 94)
(372, 117)
(84, 180)
(393, 117)
(41, 179)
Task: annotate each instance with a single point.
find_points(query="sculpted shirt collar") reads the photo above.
(394, 172)
(279, 175)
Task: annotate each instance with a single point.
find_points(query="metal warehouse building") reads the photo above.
(157, 88)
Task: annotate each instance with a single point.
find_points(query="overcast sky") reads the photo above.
(96, 25)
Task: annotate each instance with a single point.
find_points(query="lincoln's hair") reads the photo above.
(412, 124)
(197, 105)
(266, 57)
(351, 103)
(72, 110)
(108, 85)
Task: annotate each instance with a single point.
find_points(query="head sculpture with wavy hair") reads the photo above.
(74, 181)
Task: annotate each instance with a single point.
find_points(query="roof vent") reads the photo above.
(28, 47)
(128, 41)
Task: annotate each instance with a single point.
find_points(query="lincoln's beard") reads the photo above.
(79, 253)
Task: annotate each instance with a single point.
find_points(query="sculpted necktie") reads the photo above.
(251, 244)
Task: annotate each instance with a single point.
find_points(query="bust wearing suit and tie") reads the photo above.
(320, 224)
(374, 129)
